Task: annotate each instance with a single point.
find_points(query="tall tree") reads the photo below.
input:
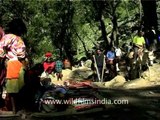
(150, 14)
(60, 28)
(99, 7)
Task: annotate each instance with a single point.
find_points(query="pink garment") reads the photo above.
(12, 47)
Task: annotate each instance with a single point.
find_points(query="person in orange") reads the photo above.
(13, 50)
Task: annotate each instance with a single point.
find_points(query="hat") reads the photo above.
(1, 32)
(48, 54)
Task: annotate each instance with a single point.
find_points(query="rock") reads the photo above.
(82, 73)
(115, 82)
(98, 84)
(137, 83)
(66, 73)
(88, 63)
(152, 74)
(148, 78)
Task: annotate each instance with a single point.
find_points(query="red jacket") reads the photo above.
(49, 67)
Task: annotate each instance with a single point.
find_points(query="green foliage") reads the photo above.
(69, 28)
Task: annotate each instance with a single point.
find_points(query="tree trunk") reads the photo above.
(104, 34)
(114, 31)
(150, 15)
(158, 17)
(114, 5)
(83, 44)
(99, 6)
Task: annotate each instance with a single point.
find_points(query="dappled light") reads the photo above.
(91, 60)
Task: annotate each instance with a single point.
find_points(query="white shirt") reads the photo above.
(118, 52)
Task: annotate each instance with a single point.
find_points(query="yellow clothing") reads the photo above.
(138, 40)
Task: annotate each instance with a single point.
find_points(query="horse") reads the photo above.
(135, 69)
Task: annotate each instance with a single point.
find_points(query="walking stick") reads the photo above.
(103, 69)
(95, 64)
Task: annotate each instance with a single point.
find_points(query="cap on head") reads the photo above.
(48, 54)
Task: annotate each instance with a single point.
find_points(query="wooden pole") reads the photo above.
(97, 71)
(103, 69)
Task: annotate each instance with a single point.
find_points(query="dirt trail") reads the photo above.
(143, 102)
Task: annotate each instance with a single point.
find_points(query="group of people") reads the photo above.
(14, 62)
(142, 42)
(106, 63)
(109, 62)
(51, 67)
(13, 56)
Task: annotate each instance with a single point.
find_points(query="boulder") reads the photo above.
(118, 81)
(66, 73)
(148, 78)
(137, 83)
(152, 74)
(98, 84)
(82, 73)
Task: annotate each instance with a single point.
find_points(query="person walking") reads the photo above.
(13, 50)
(99, 63)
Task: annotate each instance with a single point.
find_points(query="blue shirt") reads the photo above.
(110, 55)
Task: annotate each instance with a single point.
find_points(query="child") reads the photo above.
(58, 69)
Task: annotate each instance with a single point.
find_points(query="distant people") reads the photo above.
(67, 64)
(111, 63)
(49, 64)
(153, 38)
(48, 55)
(138, 44)
(110, 56)
(148, 39)
(118, 53)
(58, 69)
(99, 63)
